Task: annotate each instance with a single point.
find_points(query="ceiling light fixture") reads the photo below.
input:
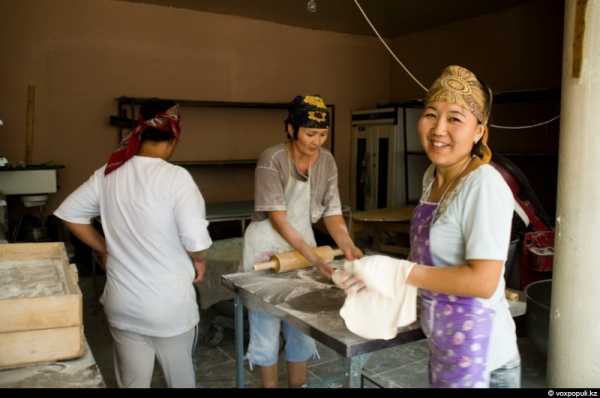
(311, 6)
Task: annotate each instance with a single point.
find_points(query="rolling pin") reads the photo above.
(292, 260)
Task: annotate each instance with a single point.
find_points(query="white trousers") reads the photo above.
(133, 357)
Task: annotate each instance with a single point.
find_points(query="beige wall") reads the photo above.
(81, 54)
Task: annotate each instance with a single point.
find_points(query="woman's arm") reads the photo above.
(91, 237)
(484, 211)
(336, 226)
(288, 232)
(478, 278)
(199, 260)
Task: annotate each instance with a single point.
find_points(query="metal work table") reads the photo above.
(312, 304)
(75, 373)
(230, 211)
(242, 211)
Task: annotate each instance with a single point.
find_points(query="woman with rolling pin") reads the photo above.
(295, 186)
(460, 234)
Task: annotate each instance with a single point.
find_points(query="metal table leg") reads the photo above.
(239, 341)
(353, 370)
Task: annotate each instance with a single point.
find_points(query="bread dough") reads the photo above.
(386, 303)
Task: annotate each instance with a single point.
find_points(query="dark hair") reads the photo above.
(489, 97)
(298, 115)
(148, 110)
(295, 128)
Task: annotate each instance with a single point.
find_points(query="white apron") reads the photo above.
(261, 240)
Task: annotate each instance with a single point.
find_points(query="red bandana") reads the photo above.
(165, 121)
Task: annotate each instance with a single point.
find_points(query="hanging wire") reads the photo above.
(388, 47)
(529, 126)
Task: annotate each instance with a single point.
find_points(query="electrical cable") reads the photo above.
(366, 17)
(388, 47)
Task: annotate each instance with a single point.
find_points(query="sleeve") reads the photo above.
(268, 185)
(331, 199)
(487, 218)
(190, 214)
(83, 204)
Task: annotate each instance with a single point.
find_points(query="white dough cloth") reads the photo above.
(386, 303)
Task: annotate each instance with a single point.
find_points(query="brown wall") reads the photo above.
(81, 54)
(516, 49)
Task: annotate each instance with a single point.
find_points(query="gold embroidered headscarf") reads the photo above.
(458, 85)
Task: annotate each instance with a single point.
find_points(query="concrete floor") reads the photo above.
(402, 366)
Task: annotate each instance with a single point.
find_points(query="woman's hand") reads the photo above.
(352, 252)
(101, 259)
(324, 268)
(336, 226)
(347, 282)
(200, 267)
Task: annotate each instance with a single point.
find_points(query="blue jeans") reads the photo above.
(263, 349)
(508, 375)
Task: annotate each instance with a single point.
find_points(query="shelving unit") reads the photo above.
(127, 114)
(405, 161)
(215, 163)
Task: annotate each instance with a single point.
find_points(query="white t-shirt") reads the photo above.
(152, 212)
(477, 225)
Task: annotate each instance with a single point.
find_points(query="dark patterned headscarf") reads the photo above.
(164, 121)
(308, 111)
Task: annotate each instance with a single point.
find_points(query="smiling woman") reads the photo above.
(459, 238)
(448, 134)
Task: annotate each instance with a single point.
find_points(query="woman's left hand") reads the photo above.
(347, 282)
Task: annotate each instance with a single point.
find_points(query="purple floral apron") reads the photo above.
(458, 328)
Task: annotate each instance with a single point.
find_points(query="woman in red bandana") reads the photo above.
(155, 237)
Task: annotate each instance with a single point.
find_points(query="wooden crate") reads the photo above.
(41, 315)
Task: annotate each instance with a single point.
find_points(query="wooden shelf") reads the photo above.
(502, 97)
(12, 167)
(216, 163)
(505, 154)
(209, 104)
(528, 155)
(127, 114)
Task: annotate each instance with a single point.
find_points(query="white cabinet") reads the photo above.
(377, 160)
(28, 181)
(388, 162)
